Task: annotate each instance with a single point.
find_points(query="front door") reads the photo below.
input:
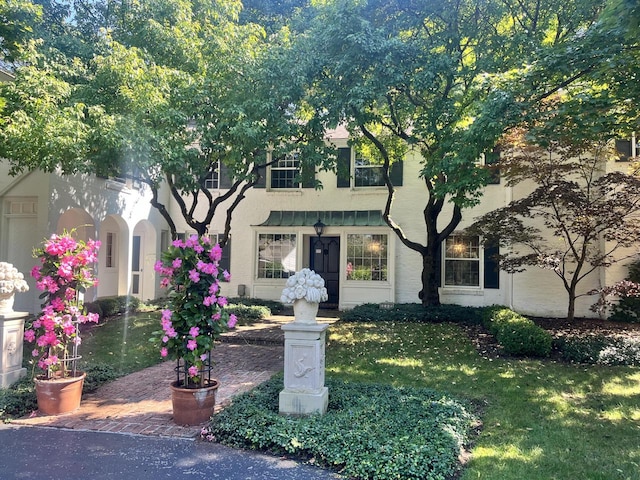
(325, 261)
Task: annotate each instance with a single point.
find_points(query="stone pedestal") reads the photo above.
(304, 391)
(11, 339)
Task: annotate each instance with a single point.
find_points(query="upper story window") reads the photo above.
(285, 172)
(628, 148)
(218, 177)
(489, 160)
(356, 170)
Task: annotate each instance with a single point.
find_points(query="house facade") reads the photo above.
(275, 233)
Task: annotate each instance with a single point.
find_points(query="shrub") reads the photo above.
(628, 308)
(110, 306)
(369, 430)
(598, 349)
(248, 313)
(97, 375)
(412, 312)
(18, 400)
(516, 334)
(275, 307)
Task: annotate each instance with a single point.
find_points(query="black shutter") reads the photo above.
(308, 174)
(224, 177)
(624, 149)
(491, 267)
(491, 160)
(262, 181)
(395, 173)
(344, 167)
(225, 260)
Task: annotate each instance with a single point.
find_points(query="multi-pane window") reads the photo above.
(212, 182)
(276, 255)
(367, 257)
(367, 173)
(110, 250)
(462, 261)
(285, 172)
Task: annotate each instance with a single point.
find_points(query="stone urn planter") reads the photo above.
(305, 312)
(6, 302)
(59, 395)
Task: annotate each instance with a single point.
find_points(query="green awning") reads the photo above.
(307, 218)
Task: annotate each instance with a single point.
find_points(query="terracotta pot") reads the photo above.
(305, 312)
(193, 406)
(59, 395)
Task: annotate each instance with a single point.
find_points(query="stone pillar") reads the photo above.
(304, 391)
(11, 339)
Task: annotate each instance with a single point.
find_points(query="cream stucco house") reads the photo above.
(273, 235)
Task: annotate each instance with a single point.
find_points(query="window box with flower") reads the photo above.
(194, 320)
(64, 273)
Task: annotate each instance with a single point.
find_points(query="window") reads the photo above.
(212, 181)
(627, 148)
(110, 250)
(225, 260)
(356, 170)
(462, 261)
(284, 172)
(367, 257)
(276, 255)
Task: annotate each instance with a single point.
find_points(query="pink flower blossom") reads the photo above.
(164, 352)
(194, 276)
(222, 301)
(177, 262)
(210, 300)
(214, 288)
(194, 331)
(193, 371)
(216, 253)
(29, 335)
(192, 345)
(35, 272)
(232, 321)
(227, 276)
(203, 357)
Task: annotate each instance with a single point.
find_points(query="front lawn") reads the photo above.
(541, 419)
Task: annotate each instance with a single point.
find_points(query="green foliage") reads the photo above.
(412, 312)
(516, 334)
(18, 400)
(274, 306)
(628, 308)
(601, 350)
(97, 375)
(370, 431)
(111, 306)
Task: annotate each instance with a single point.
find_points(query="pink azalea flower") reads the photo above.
(194, 331)
(216, 253)
(193, 371)
(222, 301)
(192, 345)
(177, 262)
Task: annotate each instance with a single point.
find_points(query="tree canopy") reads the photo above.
(447, 78)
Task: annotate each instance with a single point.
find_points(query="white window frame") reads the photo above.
(212, 180)
(111, 250)
(369, 256)
(446, 260)
(285, 168)
(355, 158)
(262, 273)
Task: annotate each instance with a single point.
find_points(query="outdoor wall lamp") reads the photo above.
(319, 228)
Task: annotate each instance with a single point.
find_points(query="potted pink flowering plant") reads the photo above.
(64, 273)
(194, 320)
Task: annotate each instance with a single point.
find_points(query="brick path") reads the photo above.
(140, 403)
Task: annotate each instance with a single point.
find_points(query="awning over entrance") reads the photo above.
(357, 218)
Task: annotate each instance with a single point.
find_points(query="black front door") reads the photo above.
(325, 261)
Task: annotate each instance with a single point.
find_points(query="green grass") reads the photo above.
(541, 419)
(122, 342)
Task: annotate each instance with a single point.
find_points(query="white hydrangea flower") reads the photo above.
(305, 284)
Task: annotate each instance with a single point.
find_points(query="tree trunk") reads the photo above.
(429, 295)
(571, 311)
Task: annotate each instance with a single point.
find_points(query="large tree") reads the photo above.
(168, 92)
(447, 78)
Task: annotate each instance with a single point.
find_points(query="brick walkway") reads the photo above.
(140, 403)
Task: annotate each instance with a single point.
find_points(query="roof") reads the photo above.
(307, 218)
